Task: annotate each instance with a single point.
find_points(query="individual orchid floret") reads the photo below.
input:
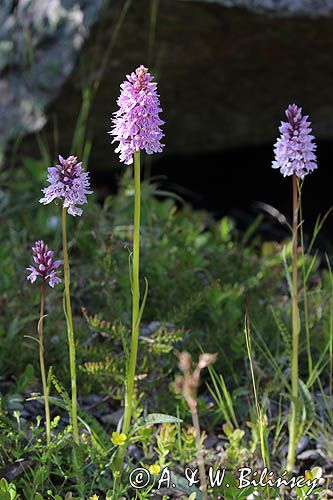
(295, 150)
(136, 125)
(68, 182)
(44, 265)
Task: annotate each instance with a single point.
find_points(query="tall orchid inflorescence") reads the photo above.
(68, 182)
(295, 156)
(45, 268)
(136, 126)
(294, 149)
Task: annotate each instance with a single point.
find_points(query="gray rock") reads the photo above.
(281, 7)
(302, 445)
(39, 42)
(210, 441)
(309, 455)
(113, 418)
(225, 77)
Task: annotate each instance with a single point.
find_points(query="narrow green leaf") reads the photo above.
(142, 304)
(155, 418)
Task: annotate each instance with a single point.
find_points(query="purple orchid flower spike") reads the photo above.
(136, 125)
(44, 265)
(69, 182)
(294, 149)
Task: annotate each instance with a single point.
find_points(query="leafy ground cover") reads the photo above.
(203, 276)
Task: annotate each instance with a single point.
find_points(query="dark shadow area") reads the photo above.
(241, 183)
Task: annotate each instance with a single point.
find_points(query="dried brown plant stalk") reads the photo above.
(188, 384)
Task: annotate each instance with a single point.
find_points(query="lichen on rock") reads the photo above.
(281, 7)
(39, 42)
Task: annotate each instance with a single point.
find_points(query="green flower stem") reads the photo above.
(70, 330)
(135, 313)
(295, 328)
(42, 365)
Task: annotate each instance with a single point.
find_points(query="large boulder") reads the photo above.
(226, 75)
(39, 42)
(281, 7)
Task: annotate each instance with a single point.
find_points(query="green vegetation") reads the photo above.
(201, 273)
